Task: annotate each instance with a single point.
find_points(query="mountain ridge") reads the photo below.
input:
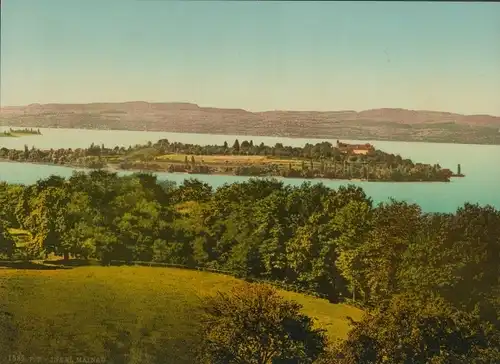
(185, 117)
(194, 106)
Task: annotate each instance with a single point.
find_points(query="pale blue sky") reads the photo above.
(253, 55)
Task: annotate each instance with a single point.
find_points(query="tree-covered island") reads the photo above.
(322, 160)
(14, 133)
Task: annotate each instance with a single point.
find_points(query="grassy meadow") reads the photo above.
(230, 159)
(143, 312)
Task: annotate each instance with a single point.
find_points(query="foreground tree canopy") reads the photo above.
(253, 324)
(405, 331)
(331, 243)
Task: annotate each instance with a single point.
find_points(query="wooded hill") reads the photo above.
(377, 124)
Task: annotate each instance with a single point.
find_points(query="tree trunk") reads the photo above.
(66, 255)
(333, 297)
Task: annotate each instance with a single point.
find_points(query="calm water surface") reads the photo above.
(480, 163)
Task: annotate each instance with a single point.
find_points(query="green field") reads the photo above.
(112, 311)
(230, 159)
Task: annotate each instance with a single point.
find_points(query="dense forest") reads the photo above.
(322, 160)
(391, 259)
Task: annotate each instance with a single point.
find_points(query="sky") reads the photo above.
(253, 55)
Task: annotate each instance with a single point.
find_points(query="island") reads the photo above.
(14, 133)
(323, 160)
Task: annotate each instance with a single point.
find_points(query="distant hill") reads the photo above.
(380, 124)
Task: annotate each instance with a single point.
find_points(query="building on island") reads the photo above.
(362, 149)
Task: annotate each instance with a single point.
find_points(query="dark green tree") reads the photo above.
(7, 243)
(236, 147)
(408, 331)
(254, 324)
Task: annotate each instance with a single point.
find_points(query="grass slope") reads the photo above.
(114, 311)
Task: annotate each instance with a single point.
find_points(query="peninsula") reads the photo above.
(322, 160)
(14, 133)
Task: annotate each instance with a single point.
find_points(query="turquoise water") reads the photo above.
(480, 164)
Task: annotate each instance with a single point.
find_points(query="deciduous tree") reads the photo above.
(253, 324)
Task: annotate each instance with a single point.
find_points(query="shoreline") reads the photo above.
(271, 135)
(112, 169)
(17, 135)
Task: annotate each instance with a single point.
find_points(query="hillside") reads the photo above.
(379, 124)
(95, 311)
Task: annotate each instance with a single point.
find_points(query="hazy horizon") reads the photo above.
(236, 108)
(255, 56)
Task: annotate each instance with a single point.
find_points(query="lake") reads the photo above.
(480, 164)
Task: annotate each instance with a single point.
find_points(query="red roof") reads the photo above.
(366, 146)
